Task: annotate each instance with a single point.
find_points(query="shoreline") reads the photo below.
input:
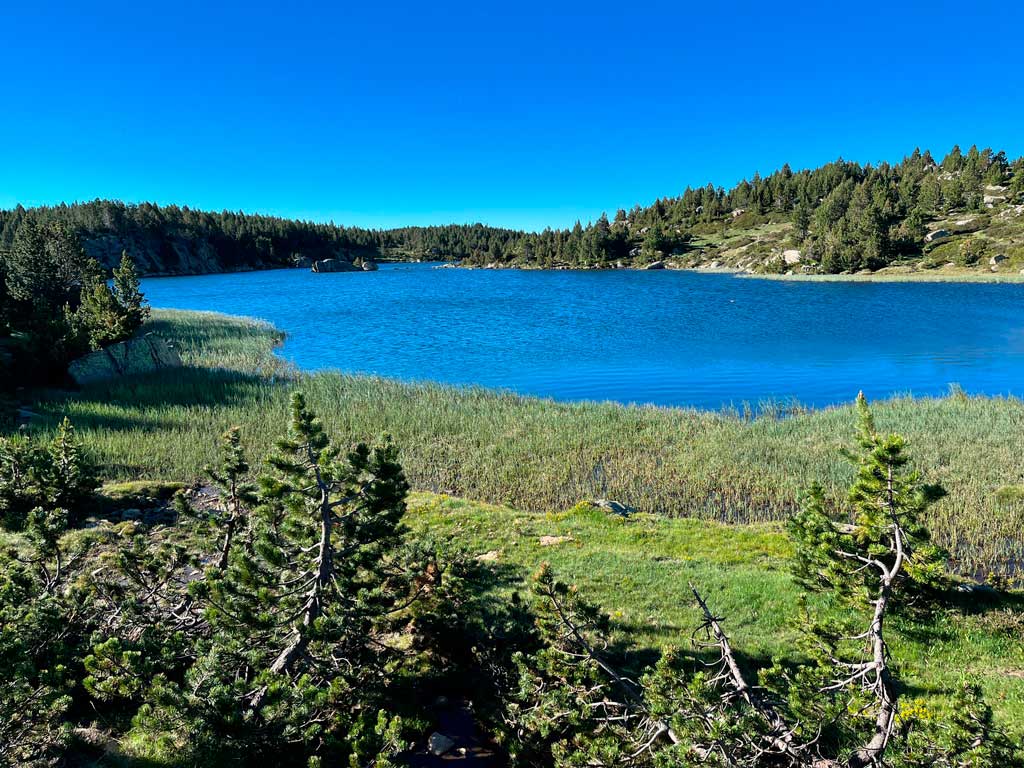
(739, 410)
(874, 277)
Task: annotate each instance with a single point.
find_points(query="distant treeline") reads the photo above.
(845, 217)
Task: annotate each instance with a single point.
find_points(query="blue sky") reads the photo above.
(520, 114)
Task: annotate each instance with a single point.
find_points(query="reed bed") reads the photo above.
(541, 455)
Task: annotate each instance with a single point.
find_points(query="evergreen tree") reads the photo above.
(100, 320)
(237, 494)
(881, 561)
(128, 296)
(299, 616)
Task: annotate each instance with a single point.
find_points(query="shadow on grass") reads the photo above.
(136, 395)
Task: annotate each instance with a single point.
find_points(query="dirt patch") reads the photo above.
(550, 541)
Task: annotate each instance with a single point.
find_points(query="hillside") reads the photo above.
(961, 215)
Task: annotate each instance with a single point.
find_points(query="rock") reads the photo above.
(488, 557)
(333, 265)
(977, 589)
(142, 355)
(998, 259)
(656, 265)
(369, 265)
(302, 262)
(635, 250)
(792, 256)
(550, 541)
(738, 212)
(94, 738)
(614, 507)
(714, 265)
(934, 237)
(439, 743)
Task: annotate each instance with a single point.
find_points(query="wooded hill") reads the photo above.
(841, 217)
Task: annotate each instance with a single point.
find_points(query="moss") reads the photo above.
(139, 492)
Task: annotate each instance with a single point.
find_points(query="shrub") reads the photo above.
(52, 475)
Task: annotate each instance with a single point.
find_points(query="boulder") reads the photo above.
(333, 265)
(369, 265)
(303, 262)
(934, 237)
(656, 265)
(440, 744)
(142, 355)
(792, 256)
(614, 507)
(998, 259)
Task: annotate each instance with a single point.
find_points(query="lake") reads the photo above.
(661, 337)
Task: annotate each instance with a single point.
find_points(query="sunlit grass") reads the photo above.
(639, 570)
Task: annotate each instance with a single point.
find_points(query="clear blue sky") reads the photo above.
(520, 114)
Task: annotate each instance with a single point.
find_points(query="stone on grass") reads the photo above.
(614, 507)
(440, 744)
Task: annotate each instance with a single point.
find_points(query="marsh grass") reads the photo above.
(541, 455)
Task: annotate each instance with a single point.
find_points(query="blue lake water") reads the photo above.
(662, 337)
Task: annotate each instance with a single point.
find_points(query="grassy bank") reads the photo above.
(539, 455)
(638, 570)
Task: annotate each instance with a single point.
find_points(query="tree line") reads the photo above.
(296, 622)
(845, 216)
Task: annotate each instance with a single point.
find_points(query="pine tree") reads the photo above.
(99, 320)
(237, 494)
(298, 615)
(128, 296)
(881, 561)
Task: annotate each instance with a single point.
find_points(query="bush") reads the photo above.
(51, 475)
(971, 252)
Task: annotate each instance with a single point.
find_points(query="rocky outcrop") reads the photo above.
(791, 256)
(334, 265)
(613, 507)
(934, 237)
(142, 355)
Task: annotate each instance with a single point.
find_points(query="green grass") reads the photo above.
(539, 455)
(639, 569)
